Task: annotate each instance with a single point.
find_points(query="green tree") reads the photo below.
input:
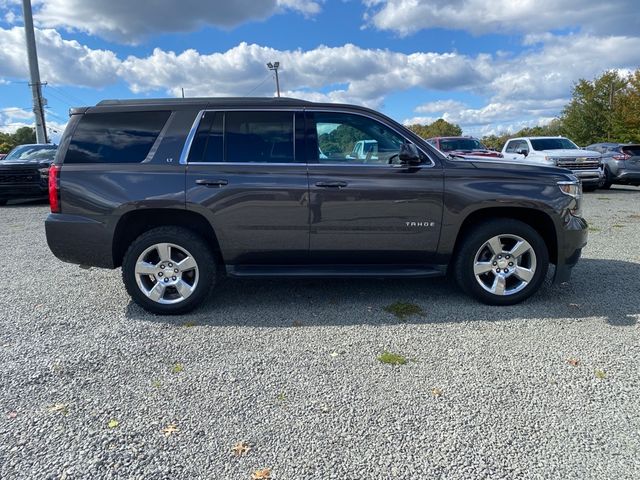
(626, 122)
(439, 128)
(8, 141)
(591, 114)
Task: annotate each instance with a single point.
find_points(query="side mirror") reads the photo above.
(409, 154)
(522, 151)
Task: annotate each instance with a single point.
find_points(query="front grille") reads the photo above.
(19, 175)
(580, 163)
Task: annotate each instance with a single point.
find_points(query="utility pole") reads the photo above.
(274, 66)
(35, 84)
(182, 88)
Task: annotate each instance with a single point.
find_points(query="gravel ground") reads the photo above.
(546, 389)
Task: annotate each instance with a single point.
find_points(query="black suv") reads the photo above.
(179, 192)
(24, 171)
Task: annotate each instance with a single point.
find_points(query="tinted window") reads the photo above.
(552, 144)
(125, 137)
(347, 138)
(633, 150)
(259, 137)
(32, 152)
(207, 143)
(460, 144)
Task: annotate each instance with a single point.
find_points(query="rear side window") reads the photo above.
(633, 150)
(207, 145)
(123, 137)
(259, 137)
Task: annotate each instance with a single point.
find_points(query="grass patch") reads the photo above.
(617, 225)
(392, 358)
(177, 368)
(281, 397)
(402, 310)
(604, 198)
(594, 229)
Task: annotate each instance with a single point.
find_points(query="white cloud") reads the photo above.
(130, 21)
(13, 118)
(440, 106)
(364, 75)
(61, 61)
(505, 16)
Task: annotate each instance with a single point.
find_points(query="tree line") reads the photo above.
(605, 109)
(21, 136)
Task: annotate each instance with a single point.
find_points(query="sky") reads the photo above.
(489, 66)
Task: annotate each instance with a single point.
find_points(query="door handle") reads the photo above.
(212, 183)
(332, 184)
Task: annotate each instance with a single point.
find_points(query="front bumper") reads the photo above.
(589, 177)
(21, 182)
(15, 191)
(571, 240)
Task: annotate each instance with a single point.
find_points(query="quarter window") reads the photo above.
(122, 137)
(207, 144)
(347, 138)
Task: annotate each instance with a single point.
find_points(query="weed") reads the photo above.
(392, 358)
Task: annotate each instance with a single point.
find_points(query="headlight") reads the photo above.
(44, 171)
(574, 190)
(553, 160)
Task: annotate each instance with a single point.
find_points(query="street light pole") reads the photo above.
(274, 66)
(34, 71)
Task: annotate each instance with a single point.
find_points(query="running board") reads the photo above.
(335, 271)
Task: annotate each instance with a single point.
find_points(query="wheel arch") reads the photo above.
(136, 222)
(537, 219)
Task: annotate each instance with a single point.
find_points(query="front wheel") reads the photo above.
(502, 262)
(168, 270)
(606, 184)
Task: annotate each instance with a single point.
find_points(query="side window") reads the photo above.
(348, 138)
(259, 137)
(523, 145)
(207, 143)
(122, 137)
(511, 146)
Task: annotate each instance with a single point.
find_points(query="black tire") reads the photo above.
(183, 239)
(606, 185)
(463, 267)
(3, 202)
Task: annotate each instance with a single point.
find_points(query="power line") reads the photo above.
(71, 96)
(259, 85)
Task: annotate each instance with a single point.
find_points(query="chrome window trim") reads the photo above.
(159, 138)
(196, 124)
(192, 133)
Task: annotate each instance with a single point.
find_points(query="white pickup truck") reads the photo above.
(560, 152)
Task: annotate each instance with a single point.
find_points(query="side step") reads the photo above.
(336, 271)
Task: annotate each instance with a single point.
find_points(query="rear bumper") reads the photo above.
(81, 240)
(628, 177)
(571, 240)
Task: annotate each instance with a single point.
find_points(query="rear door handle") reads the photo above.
(332, 184)
(211, 183)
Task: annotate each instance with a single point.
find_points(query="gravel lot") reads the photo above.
(291, 368)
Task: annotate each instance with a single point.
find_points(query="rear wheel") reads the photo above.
(168, 270)
(3, 202)
(502, 262)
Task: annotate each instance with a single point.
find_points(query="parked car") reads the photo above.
(178, 192)
(621, 163)
(557, 151)
(24, 172)
(463, 147)
(2, 156)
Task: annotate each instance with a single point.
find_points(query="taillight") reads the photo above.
(54, 188)
(622, 156)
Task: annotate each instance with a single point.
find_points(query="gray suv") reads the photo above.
(621, 163)
(181, 192)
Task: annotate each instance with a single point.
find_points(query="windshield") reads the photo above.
(32, 152)
(449, 144)
(553, 144)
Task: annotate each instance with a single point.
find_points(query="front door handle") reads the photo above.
(332, 184)
(211, 183)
